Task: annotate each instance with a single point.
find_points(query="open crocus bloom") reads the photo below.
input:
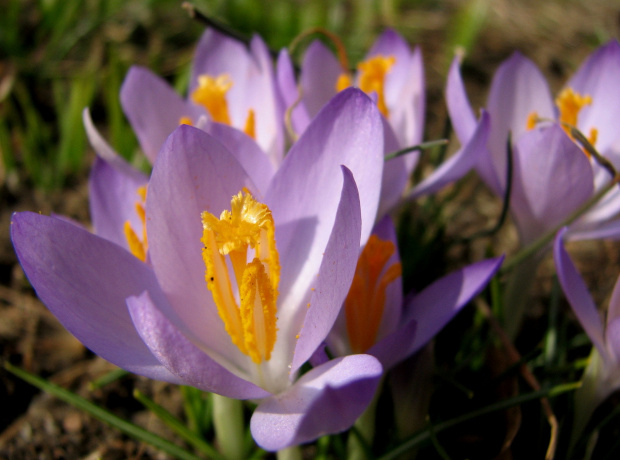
(239, 285)
(552, 174)
(602, 375)
(377, 320)
(230, 84)
(393, 76)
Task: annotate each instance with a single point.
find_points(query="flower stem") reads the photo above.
(229, 426)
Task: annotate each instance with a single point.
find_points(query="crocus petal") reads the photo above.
(396, 346)
(518, 89)
(577, 294)
(287, 83)
(598, 77)
(596, 231)
(551, 178)
(153, 108)
(328, 399)
(458, 164)
(247, 152)
(461, 114)
(319, 74)
(612, 338)
(334, 277)
(84, 281)
(113, 197)
(193, 173)
(396, 171)
(304, 192)
(183, 359)
(437, 304)
(103, 149)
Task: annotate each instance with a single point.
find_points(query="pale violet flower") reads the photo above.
(393, 76)
(552, 174)
(238, 284)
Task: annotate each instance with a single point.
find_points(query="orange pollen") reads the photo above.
(372, 74)
(246, 301)
(532, 120)
(250, 124)
(211, 94)
(186, 121)
(365, 301)
(138, 246)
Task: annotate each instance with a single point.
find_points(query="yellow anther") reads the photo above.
(211, 94)
(570, 103)
(250, 124)
(186, 121)
(247, 306)
(138, 246)
(372, 73)
(532, 120)
(365, 301)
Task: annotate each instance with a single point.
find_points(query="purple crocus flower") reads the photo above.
(552, 174)
(230, 84)
(393, 76)
(377, 320)
(602, 376)
(234, 304)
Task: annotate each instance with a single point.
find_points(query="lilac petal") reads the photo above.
(319, 74)
(193, 173)
(84, 281)
(461, 114)
(218, 54)
(396, 172)
(396, 346)
(153, 108)
(247, 152)
(612, 338)
(518, 89)
(459, 164)
(104, 151)
(328, 399)
(305, 191)
(287, 85)
(551, 178)
(113, 197)
(609, 230)
(614, 304)
(598, 77)
(437, 304)
(183, 359)
(334, 277)
(408, 109)
(577, 294)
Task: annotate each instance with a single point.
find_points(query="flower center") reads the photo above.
(569, 103)
(246, 303)
(372, 73)
(365, 301)
(211, 94)
(138, 246)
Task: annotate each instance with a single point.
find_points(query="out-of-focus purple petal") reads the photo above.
(613, 311)
(183, 359)
(461, 114)
(518, 89)
(459, 164)
(193, 173)
(396, 346)
(396, 172)
(598, 77)
(153, 108)
(577, 294)
(319, 74)
(84, 281)
(612, 339)
(103, 149)
(437, 304)
(113, 195)
(305, 191)
(551, 178)
(287, 84)
(247, 152)
(334, 277)
(328, 399)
